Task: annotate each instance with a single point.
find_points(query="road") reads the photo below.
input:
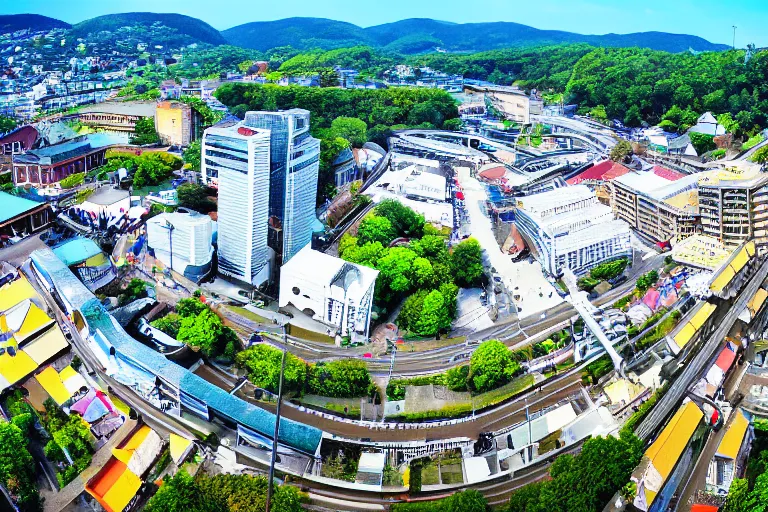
(673, 397)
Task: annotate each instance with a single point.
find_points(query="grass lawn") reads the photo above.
(334, 404)
(507, 390)
(422, 346)
(305, 334)
(451, 474)
(430, 474)
(250, 315)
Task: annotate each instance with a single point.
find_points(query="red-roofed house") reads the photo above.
(597, 176)
(493, 173)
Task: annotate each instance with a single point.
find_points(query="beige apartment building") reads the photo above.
(659, 204)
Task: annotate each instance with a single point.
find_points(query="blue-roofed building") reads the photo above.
(49, 165)
(157, 379)
(88, 261)
(20, 216)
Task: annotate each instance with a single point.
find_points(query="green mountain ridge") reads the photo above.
(36, 22)
(420, 35)
(186, 27)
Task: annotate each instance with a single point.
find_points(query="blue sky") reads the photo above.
(710, 19)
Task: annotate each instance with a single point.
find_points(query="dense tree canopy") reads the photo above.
(263, 365)
(583, 482)
(343, 378)
(17, 467)
(491, 366)
(467, 263)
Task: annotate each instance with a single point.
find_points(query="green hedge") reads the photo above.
(643, 410)
(452, 411)
(396, 387)
(72, 180)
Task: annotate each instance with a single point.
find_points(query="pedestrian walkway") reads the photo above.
(523, 279)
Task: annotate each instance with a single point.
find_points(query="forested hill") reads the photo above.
(35, 22)
(420, 35)
(174, 29)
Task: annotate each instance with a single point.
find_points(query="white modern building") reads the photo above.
(568, 228)
(182, 241)
(294, 166)
(236, 159)
(330, 290)
(418, 182)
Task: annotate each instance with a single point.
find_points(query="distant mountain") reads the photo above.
(36, 22)
(420, 35)
(186, 29)
(301, 33)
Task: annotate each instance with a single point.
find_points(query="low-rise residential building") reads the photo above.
(330, 290)
(659, 204)
(569, 228)
(177, 123)
(49, 165)
(118, 116)
(20, 216)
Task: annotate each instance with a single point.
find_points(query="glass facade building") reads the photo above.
(293, 174)
(237, 158)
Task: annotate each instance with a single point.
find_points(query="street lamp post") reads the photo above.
(270, 482)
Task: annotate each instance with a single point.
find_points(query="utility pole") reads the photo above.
(270, 481)
(734, 37)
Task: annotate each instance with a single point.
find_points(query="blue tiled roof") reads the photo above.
(76, 250)
(297, 435)
(13, 206)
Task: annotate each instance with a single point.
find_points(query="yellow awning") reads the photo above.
(15, 292)
(685, 335)
(122, 491)
(667, 448)
(179, 447)
(741, 259)
(722, 279)
(35, 320)
(15, 368)
(702, 315)
(51, 382)
(750, 247)
(734, 436)
(757, 301)
(45, 347)
(125, 453)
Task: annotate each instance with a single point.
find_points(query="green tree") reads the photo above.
(456, 378)
(329, 78)
(469, 500)
(243, 493)
(453, 125)
(169, 324)
(727, 121)
(757, 501)
(7, 124)
(192, 154)
(760, 156)
(434, 317)
(525, 496)
(467, 263)
(405, 221)
(702, 142)
(374, 228)
(491, 365)
(195, 197)
(395, 269)
(134, 290)
(181, 493)
(144, 132)
(342, 378)
(190, 307)
(202, 332)
(17, 467)
(738, 495)
(647, 280)
(423, 273)
(350, 128)
(621, 151)
(263, 365)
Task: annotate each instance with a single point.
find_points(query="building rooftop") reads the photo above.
(106, 196)
(127, 108)
(539, 203)
(14, 206)
(604, 171)
(76, 250)
(731, 176)
(319, 267)
(700, 251)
